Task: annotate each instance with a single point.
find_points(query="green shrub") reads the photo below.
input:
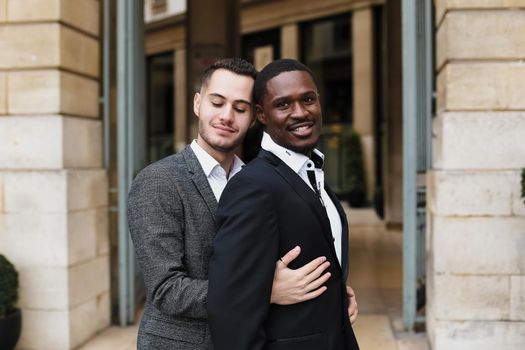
(354, 185)
(8, 287)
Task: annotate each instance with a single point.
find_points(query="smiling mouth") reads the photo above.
(224, 128)
(301, 127)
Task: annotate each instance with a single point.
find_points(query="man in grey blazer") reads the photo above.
(172, 205)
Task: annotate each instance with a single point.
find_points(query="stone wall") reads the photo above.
(53, 188)
(476, 269)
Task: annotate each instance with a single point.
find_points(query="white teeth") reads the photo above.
(301, 128)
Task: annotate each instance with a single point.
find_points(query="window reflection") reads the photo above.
(160, 106)
(326, 49)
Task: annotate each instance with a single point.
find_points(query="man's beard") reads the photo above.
(217, 147)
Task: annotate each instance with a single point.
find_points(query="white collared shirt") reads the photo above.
(300, 163)
(212, 169)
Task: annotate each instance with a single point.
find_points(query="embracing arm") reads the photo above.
(156, 224)
(299, 285)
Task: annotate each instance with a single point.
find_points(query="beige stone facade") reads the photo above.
(53, 211)
(476, 229)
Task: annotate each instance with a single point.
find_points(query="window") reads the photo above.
(160, 70)
(326, 49)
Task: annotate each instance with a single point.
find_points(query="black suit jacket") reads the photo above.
(265, 211)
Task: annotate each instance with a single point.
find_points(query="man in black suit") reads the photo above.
(277, 202)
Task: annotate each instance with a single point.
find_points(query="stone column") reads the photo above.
(393, 133)
(53, 211)
(476, 270)
(212, 32)
(363, 89)
(181, 120)
(290, 41)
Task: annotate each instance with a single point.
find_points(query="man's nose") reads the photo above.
(298, 110)
(227, 114)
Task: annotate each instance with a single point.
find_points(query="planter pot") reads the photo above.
(10, 327)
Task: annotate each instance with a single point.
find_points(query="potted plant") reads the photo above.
(10, 315)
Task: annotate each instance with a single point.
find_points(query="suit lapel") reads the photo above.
(344, 230)
(305, 192)
(199, 179)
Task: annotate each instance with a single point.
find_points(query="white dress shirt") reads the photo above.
(300, 163)
(212, 169)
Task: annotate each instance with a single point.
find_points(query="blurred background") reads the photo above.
(424, 133)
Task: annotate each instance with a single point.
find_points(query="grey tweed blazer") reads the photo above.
(171, 215)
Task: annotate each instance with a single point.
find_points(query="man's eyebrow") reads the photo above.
(279, 99)
(288, 97)
(243, 101)
(214, 94)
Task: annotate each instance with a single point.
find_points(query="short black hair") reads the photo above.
(272, 70)
(235, 65)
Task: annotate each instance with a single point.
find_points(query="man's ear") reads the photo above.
(259, 114)
(196, 103)
(254, 119)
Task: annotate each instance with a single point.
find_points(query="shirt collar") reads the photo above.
(294, 160)
(209, 164)
(237, 166)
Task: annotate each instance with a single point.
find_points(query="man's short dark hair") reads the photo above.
(235, 65)
(272, 70)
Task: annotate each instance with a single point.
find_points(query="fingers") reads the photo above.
(314, 275)
(308, 276)
(314, 294)
(291, 255)
(317, 282)
(352, 305)
(353, 317)
(313, 265)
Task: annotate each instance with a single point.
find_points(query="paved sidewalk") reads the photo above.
(375, 275)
